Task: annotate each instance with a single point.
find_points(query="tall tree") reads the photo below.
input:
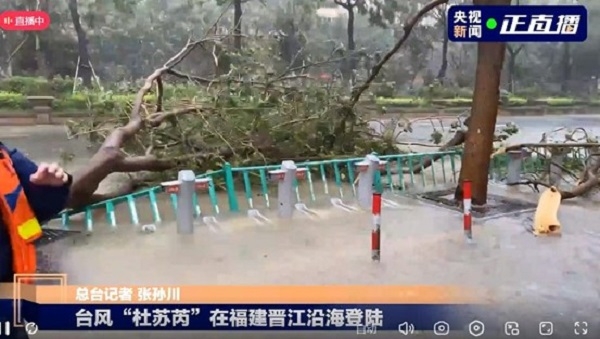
(237, 24)
(484, 112)
(513, 52)
(567, 67)
(441, 16)
(237, 20)
(85, 64)
(350, 6)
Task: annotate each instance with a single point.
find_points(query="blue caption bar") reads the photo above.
(517, 23)
(254, 317)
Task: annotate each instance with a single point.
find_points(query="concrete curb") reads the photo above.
(502, 111)
(32, 118)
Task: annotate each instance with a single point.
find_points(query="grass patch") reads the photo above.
(516, 101)
(454, 102)
(595, 102)
(400, 102)
(12, 100)
(555, 101)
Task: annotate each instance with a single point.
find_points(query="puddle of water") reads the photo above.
(165, 257)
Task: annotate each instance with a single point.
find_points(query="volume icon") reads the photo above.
(406, 328)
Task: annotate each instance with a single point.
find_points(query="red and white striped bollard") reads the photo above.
(376, 233)
(467, 219)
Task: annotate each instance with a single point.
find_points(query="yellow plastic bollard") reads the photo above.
(545, 221)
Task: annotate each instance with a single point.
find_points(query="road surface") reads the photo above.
(531, 128)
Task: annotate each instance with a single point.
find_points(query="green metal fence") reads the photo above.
(247, 188)
(324, 178)
(538, 160)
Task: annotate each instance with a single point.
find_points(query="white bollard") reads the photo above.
(185, 189)
(366, 178)
(286, 197)
(515, 160)
(185, 202)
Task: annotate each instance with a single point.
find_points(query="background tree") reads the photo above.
(84, 62)
(513, 52)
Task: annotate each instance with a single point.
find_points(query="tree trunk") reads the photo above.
(85, 69)
(512, 64)
(43, 66)
(351, 43)
(511, 73)
(9, 52)
(484, 111)
(444, 67)
(511, 69)
(566, 67)
(40, 58)
(237, 22)
(350, 29)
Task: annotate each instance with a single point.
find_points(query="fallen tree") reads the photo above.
(579, 184)
(245, 120)
(253, 120)
(577, 165)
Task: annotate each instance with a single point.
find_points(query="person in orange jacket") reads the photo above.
(30, 195)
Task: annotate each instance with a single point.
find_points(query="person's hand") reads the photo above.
(49, 175)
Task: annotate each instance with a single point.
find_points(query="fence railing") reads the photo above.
(538, 160)
(247, 188)
(241, 189)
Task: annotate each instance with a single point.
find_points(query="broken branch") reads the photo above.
(408, 27)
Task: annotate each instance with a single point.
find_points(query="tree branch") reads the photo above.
(517, 147)
(457, 139)
(408, 27)
(109, 157)
(155, 119)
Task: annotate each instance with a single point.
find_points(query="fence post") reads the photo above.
(286, 177)
(515, 160)
(366, 179)
(185, 202)
(467, 219)
(376, 233)
(377, 184)
(285, 193)
(230, 188)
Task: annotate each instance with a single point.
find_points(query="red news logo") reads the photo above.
(24, 20)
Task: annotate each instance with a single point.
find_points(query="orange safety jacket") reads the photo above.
(19, 219)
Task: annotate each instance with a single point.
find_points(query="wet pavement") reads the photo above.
(528, 279)
(531, 127)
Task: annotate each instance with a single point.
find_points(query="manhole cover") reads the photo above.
(496, 205)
